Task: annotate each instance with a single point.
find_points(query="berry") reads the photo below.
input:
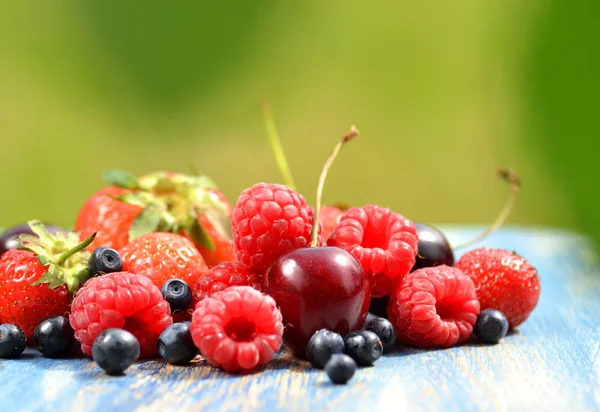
(237, 329)
(105, 260)
(160, 202)
(124, 301)
(363, 346)
(54, 337)
(384, 329)
(384, 242)
(434, 248)
(115, 350)
(340, 368)
(317, 288)
(491, 326)
(164, 256)
(175, 344)
(9, 238)
(222, 276)
(12, 341)
(434, 307)
(322, 345)
(177, 293)
(268, 221)
(32, 291)
(504, 281)
(330, 216)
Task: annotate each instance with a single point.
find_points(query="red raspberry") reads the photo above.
(268, 221)
(434, 307)
(504, 281)
(330, 216)
(120, 300)
(384, 242)
(222, 276)
(238, 328)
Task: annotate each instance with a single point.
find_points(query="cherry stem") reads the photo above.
(315, 228)
(276, 146)
(514, 181)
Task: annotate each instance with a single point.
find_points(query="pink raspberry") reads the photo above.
(237, 329)
(330, 216)
(120, 300)
(434, 307)
(384, 242)
(268, 221)
(222, 276)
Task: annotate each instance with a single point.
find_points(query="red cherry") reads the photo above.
(316, 288)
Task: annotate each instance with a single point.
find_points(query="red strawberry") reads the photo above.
(504, 281)
(35, 283)
(160, 202)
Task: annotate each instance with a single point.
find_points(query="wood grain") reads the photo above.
(551, 363)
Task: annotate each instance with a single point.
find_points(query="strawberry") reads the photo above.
(160, 202)
(36, 282)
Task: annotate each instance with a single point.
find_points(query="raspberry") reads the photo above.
(268, 221)
(434, 307)
(384, 242)
(120, 300)
(238, 328)
(222, 276)
(504, 281)
(330, 216)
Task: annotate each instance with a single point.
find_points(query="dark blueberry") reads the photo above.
(322, 345)
(384, 329)
(115, 350)
(8, 238)
(379, 306)
(363, 346)
(177, 293)
(12, 341)
(175, 344)
(54, 337)
(491, 326)
(340, 368)
(105, 260)
(434, 248)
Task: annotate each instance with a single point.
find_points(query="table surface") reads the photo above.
(551, 363)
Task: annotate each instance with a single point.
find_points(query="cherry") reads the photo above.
(8, 238)
(434, 248)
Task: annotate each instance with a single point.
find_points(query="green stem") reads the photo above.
(275, 143)
(63, 257)
(315, 228)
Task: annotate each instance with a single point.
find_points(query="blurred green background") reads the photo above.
(443, 94)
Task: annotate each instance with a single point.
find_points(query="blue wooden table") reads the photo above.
(551, 363)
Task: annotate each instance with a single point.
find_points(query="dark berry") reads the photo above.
(54, 337)
(12, 341)
(175, 344)
(434, 248)
(177, 293)
(491, 326)
(340, 368)
(105, 260)
(363, 346)
(322, 345)
(379, 306)
(384, 329)
(115, 350)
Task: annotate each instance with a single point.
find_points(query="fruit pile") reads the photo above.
(162, 265)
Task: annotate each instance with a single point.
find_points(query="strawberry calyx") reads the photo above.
(172, 202)
(62, 253)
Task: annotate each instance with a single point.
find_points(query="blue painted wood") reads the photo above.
(552, 363)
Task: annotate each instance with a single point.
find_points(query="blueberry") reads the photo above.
(115, 350)
(177, 293)
(175, 344)
(340, 368)
(105, 260)
(363, 346)
(384, 329)
(12, 341)
(322, 345)
(54, 337)
(491, 326)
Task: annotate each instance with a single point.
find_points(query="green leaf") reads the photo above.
(130, 199)
(146, 222)
(53, 277)
(44, 260)
(199, 235)
(121, 178)
(215, 211)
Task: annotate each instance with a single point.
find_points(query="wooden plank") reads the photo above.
(551, 363)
